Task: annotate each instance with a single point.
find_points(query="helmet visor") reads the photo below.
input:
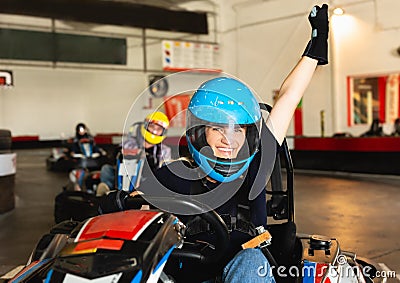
(81, 130)
(155, 128)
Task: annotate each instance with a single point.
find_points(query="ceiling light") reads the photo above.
(338, 11)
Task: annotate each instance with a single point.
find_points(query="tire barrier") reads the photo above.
(5, 140)
(7, 172)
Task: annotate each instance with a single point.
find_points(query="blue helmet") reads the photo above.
(223, 128)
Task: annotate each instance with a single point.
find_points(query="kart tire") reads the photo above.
(5, 140)
(41, 246)
(42, 249)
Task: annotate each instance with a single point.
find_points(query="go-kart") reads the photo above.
(78, 205)
(77, 201)
(64, 159)
(152, 246)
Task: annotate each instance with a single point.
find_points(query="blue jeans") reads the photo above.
(249, 265)
(107, 175)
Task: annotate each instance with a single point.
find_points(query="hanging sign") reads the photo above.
(183, 55)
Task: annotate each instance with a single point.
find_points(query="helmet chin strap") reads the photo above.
(225, 170)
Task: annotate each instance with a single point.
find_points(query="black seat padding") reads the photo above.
(283, 242)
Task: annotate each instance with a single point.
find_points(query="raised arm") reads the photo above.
(296, 82)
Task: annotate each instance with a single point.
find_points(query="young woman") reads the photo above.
(223, 131)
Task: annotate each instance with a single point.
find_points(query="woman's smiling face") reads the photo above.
(225, 141)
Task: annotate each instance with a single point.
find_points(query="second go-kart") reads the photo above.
(78, 200)
(84, 159)
(153, 246)
(78, 205)
(81, 204)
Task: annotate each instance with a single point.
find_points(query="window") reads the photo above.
(373, 97)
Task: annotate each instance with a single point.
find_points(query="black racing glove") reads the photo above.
(317, 47)
(113, 202)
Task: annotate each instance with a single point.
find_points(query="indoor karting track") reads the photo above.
(361, 212)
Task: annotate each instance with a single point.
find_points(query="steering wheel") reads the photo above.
(187, 252)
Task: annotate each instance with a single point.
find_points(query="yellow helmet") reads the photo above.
(150, 135)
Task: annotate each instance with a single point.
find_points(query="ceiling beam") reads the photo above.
(110, 13)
